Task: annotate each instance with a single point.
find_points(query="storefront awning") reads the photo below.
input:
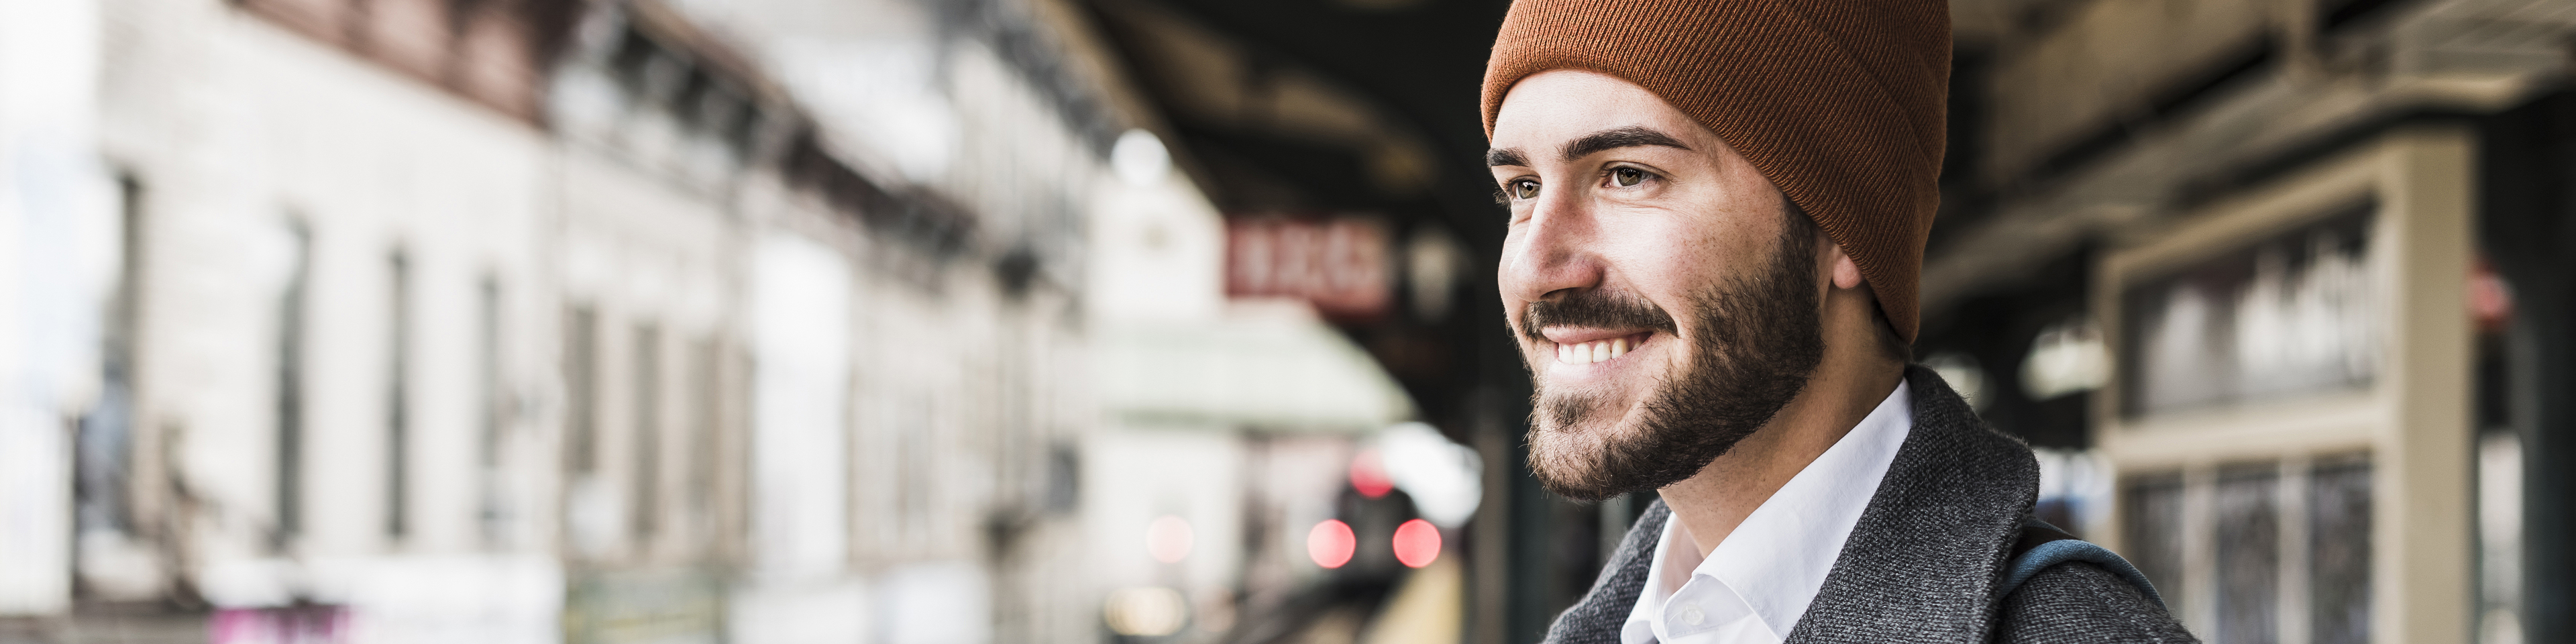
(1262, 370)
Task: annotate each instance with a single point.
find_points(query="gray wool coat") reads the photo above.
(1922, 564)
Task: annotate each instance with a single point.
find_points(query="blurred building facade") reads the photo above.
(634, 321)
(1079, 320)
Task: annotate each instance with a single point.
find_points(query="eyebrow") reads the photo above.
(1619, 137)
(1611, 139)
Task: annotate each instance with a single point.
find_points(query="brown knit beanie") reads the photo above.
(1838, 102)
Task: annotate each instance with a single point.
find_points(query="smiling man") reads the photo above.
(1718, 212)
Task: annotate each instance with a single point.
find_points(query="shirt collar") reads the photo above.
(1642, 627)
(1778, 558)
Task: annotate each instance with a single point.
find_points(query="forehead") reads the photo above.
(1552, 107)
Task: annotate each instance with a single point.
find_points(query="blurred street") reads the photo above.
(1173, 321)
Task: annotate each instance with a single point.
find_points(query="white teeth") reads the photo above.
(1592, 352)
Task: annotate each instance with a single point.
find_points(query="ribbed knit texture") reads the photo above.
(1839, 102)
(1922, 564)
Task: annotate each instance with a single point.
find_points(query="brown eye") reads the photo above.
(1626, 177)
(1523, 189)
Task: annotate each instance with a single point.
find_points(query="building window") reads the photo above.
(581, 390)
(491, 512)
(290, 384)
(105, 457)
(705, 409)
(915, 469)
(648, 434)
(398, 398)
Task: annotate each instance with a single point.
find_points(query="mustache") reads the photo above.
(1593, 308)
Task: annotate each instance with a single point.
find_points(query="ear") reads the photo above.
(1845, 273)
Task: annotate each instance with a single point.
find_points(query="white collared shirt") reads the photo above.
(1754, 586)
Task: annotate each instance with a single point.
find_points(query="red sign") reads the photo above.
(1339, 265)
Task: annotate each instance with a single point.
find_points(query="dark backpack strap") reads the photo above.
(2042, 545)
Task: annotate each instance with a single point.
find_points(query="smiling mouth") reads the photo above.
(1597, 351)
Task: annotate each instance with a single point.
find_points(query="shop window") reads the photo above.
(2339, 551)
(2248, 553)
(2290, 400)
(2289, 315)
(2262, 540)
(2153, 508)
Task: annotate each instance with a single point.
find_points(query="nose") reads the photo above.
(1552, 251)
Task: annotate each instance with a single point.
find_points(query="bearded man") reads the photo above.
(1717, 217)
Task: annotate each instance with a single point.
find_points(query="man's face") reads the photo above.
(1663, 297)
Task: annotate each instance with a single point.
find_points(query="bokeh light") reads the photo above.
(1445, 480)
(1168, 539)
(1330, 544)
(1368, 474)
(1152, 611)
(1417, 543)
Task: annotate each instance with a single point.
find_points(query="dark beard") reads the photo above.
(1756, 341)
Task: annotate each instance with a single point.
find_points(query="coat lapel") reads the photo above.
(1926, 554)
(1603, 612)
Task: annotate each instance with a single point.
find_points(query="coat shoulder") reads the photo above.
(2078, 602)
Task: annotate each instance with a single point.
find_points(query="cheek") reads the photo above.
(1659, 258)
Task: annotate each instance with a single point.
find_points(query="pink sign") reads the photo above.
(1339, 265)
(301, 624)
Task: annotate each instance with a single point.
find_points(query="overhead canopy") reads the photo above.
(1265, 372)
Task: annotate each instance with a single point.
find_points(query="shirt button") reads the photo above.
(1691, 616)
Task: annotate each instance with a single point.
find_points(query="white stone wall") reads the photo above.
(239, 133)
(57, 226)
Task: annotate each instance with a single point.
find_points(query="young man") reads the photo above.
(1718, 212)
